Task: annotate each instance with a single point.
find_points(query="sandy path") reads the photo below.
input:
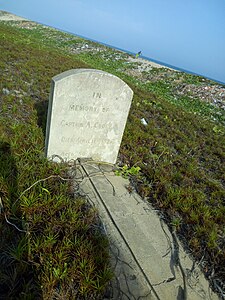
(146, 63)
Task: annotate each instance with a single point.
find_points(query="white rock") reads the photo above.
(144, 122)
(5, 91)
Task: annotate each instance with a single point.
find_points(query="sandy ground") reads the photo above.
(146, 64)
(5, 16)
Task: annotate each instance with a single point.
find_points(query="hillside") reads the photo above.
(180, 151)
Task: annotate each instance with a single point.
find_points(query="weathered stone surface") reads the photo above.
(147, 258)
(87, 115)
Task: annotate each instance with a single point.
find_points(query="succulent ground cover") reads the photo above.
(179, 151)
(51, 246)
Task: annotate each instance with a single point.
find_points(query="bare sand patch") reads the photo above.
(5, 16)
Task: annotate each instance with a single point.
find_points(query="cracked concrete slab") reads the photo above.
(148, 260)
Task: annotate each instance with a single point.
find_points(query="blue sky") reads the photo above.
(186, 34)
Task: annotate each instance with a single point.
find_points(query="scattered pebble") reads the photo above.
(144, 122)
(214, 94)
(5, 91)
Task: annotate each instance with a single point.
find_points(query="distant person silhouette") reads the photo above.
(138, 54)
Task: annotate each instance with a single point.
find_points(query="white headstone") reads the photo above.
(87, 115)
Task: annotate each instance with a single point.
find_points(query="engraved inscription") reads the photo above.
(84, 141)
(87, 115)
(97, 95)
(90, 125)
(105, 109)
(87, 108)
(71, 155)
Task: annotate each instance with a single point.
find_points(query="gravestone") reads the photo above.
(87, 115)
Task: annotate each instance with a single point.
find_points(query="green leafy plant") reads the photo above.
(176, 222)
(125, 171)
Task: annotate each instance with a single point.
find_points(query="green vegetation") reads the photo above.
(182, 160)
(176, 161)
(50, 241)
(162, 82)
(125, 171)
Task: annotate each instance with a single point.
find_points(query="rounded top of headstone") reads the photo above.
(74, 72)
(87, 115)
(78, 71)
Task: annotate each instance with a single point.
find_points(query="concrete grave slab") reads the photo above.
(148, 260)
(87, 115)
